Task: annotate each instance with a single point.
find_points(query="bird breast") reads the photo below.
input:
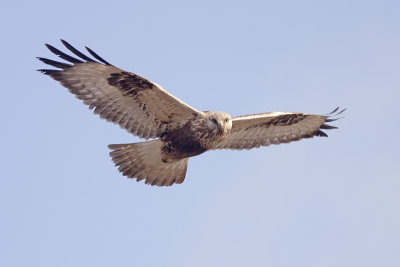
(191, 139)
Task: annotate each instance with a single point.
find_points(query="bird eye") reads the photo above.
(214, 120)
(226, 120)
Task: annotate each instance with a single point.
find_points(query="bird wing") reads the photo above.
(275, 128)
(138, 105)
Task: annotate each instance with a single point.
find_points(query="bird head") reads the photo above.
(220, 123)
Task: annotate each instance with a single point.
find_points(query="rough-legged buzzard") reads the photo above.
(178, 131)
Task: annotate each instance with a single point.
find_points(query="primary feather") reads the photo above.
(138, 105)
(275, 128)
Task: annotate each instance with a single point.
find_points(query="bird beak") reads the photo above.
(220, 126)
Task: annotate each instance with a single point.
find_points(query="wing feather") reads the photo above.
(275, 128)
(138, 105)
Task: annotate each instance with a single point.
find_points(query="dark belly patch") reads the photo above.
(182, 148)
(181, 143)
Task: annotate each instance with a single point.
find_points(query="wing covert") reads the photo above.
(138, 105)
(275, 128)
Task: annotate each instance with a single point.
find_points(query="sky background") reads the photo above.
(318, 202)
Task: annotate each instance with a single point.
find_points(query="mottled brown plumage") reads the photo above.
(146, 110)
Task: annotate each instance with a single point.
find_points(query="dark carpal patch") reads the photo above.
(290, 119)
(283, 120)
(128, 83)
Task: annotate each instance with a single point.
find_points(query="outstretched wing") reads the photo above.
(138, 105)
(275, 128)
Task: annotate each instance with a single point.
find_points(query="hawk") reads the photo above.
(178, 131)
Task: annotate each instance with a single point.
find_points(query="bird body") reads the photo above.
(178, 130)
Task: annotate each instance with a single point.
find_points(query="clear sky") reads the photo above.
(318, 202)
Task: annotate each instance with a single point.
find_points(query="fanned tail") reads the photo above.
(143, 161)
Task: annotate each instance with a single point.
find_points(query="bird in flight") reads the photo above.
(178, 131)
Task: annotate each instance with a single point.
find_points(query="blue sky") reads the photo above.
(320, 202)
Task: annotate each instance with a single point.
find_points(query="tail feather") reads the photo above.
(143, 161)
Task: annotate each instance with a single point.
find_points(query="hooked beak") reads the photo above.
(220, 126)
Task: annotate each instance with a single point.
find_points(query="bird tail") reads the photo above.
(143, 161)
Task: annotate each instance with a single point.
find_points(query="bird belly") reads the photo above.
(182, 148)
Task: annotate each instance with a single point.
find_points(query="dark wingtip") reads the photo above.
(54, 63)
(328, 118)
(55, 74)
(76, 51)
(97, 56)
(70, 58)
(64, 42)
(327, 127)
(45, 71)
(340, 112)
(52, 48)
(335, 112)
(63, 55)
(330, 113)
(319, 133)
